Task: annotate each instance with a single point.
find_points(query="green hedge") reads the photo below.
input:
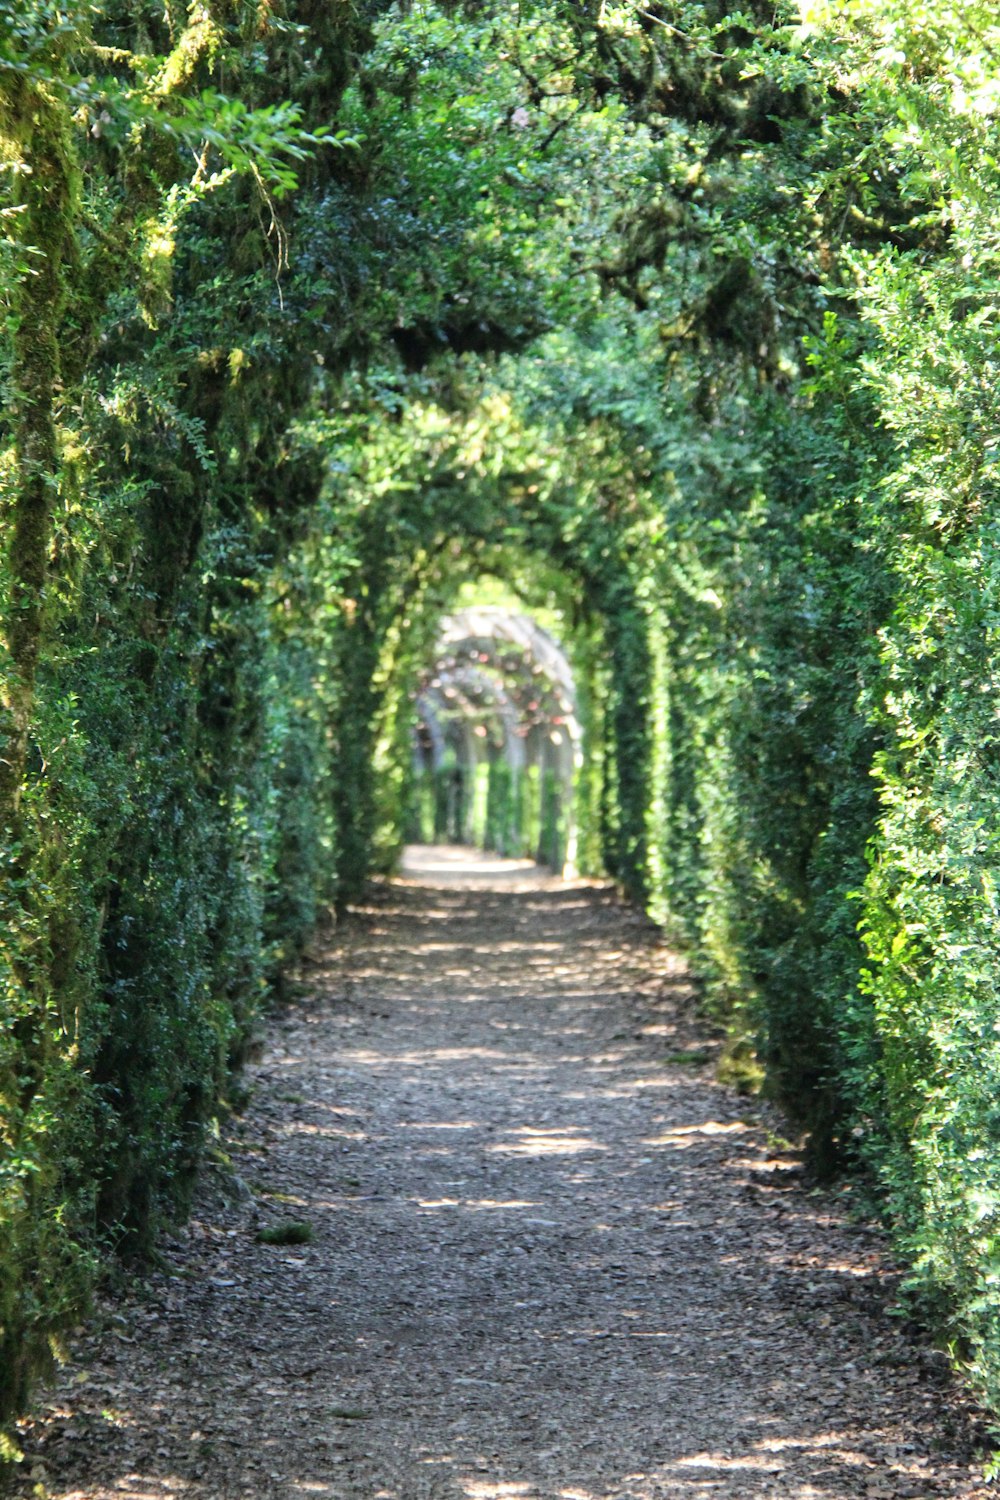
(701, 354)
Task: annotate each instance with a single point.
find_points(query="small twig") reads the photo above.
(551, 135)
(676, 31)
(201, 163)
(281, 261)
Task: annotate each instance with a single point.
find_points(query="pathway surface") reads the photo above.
(552, 1257)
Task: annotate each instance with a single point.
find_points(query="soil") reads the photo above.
(543, 1252)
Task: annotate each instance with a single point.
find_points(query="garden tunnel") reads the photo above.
(670, 327)
(496, 739)
(479, 636)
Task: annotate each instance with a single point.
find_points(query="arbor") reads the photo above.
(676, 319)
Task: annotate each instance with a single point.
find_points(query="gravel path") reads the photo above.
(551, 1257)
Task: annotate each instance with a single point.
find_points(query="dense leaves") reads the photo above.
(681, 322)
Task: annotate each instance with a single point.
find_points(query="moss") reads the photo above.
(289, 1232)
(196, 48)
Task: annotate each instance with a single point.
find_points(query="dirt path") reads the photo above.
(552, 1259)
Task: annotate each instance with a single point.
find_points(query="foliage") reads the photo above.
(678, 321)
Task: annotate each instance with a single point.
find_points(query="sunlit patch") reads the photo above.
(438, 1125)
(476, 1204)
(546, 1143)
(477, 867)
(683, 1135)
(141, 1487)
(426, 1058)
(728, 1461)
(302, 1127)
(433, 947)
(485, 1489)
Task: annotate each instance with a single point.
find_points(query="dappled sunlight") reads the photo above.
(545, 1258)
(681, 1137)
(529, 1142)
(476, 1204)
(466, 1472)
(482, 866)
(457, 867)
(479, 1489)
(427, 1057)
(304, 1127)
